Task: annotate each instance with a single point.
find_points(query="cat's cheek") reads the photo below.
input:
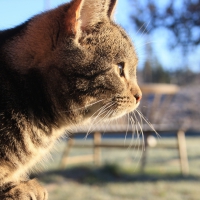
(135, 106)
(93, 109)
(132, 108)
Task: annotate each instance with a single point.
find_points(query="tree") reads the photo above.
(180, 17)
(153, 72)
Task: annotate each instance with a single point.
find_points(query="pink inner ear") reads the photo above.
(72, 16)
(77, 17)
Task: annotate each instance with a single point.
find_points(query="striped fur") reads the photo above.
(58, 70)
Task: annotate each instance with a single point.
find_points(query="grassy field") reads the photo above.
(120, 178)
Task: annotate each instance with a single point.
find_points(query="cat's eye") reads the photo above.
(121, 68)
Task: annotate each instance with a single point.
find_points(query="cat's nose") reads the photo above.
(138, 97)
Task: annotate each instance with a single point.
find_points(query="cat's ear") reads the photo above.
(72, 18)
(85, 13)
(93, 11)
(112, 7)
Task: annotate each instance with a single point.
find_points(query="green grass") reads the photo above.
(120, 178)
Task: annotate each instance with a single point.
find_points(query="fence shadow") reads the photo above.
(109, 173)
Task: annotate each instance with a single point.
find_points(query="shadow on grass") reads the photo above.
(109, 173)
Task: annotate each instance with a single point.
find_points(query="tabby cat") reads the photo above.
(56, 71)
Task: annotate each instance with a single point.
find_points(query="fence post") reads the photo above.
(183, 152)
(65, 154)
(97, 149)
(144, 153)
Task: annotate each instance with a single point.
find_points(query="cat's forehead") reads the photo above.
(115, 38)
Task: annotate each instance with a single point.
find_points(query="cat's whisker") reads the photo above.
(108, 113)
(100, 112)
(93, 119)
(98, 122)
(141, 130)
(133, 132)
(137, 145)
(88, 105)
(141, 28)
(139, 140)
(147, 121)
(128, 116)
(108, 116)
(140, 124)
(103, 110)
(145, 29)
(108, 120)
(151, 42)
(84, 107)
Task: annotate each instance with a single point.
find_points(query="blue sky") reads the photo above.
(14, 12)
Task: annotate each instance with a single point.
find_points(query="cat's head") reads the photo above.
(102, 69)
(89, 61)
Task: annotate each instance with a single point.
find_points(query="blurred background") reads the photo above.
(166, 35)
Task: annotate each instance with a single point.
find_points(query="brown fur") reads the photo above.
(56, 71)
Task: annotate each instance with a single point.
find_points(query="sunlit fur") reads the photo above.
(59, 70)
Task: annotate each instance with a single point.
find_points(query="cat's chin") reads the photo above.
(117, 115)
(121, 113)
